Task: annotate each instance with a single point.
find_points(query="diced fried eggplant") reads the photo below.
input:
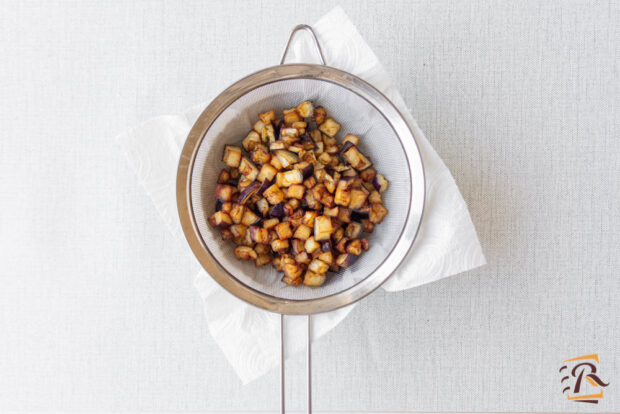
(267, 134)
(327, 199)
(311, 245)
(331, 212)
(367, 226)
(359, 215)
(274, 195)
(286, 158)
(369, 186)
(303, 258)
(356, 159)
(290, 116)
(284, 230)
(277, 210)
(288, 178)
(220, 219)
(263, 259)
(250, 141)
(311, 201)
(262, 206)
(248, 192)
(267, 173)
(350, 173)
(261, 155)
(380, 183)
(268, 117)
(288, 209)
(338, 234)
(310, 182)
(248, 169)
(295, 203)
(329, 182)
(343, 195)
(259, 235)
(314, 279)
(377, 213)
(296, 191)
(354, 247)
(224, 176)
(226, 206)
(232, 156)
(365, 244)
(368, 174)
(306, 168)
(291, 268)
(325, 158)
(345, 260)
(318, 266)
(293, 282)
(297, 148)
(352, 139)
(305, 109)
(262, 248)
(236, 213)
(277, 145)
(249, 218)
(319, 148)
(358, 198)
(322, 228)
(308, 218)
(245, 253)
(300, 126)
(344, 215)
(374, 197)
(224, 192)
(277, 263)
(279, 245)
(353, 230)
(297, 246)
(303, 232)
(238, 230)
(341, 246)
(270, 223)
(258, 126)
(326, 246)
(319, 115)
(326, 257)
(275, 163)
(226, 234)
(329, 127)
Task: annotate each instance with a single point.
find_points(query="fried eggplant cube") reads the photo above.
(356, 159)
(274, 195)
(314, 279)
(232, 156)
(322, 228)
(224, 192)
(296, 191)
(329, 127)
(284, 230)
(377, 213)
(248, 169)
(318, 266)
(220, 219)
(305, 109)
(259, 234)
(343, 195)
(245, 253)
(358, 198)
(303, 232)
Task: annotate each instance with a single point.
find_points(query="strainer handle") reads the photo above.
(308, 366)
(314, 38)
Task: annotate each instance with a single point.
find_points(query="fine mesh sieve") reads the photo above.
(361, 110)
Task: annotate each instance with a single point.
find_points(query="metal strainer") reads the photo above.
(360, 109)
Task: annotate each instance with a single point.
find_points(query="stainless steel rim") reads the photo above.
(184, 177)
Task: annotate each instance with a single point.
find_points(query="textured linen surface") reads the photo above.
(97, 309)
(447, 242)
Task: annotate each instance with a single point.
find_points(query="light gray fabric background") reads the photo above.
(521, 101)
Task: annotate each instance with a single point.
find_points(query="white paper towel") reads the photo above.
(447, 243)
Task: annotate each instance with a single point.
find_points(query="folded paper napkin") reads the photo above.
(447, 243)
